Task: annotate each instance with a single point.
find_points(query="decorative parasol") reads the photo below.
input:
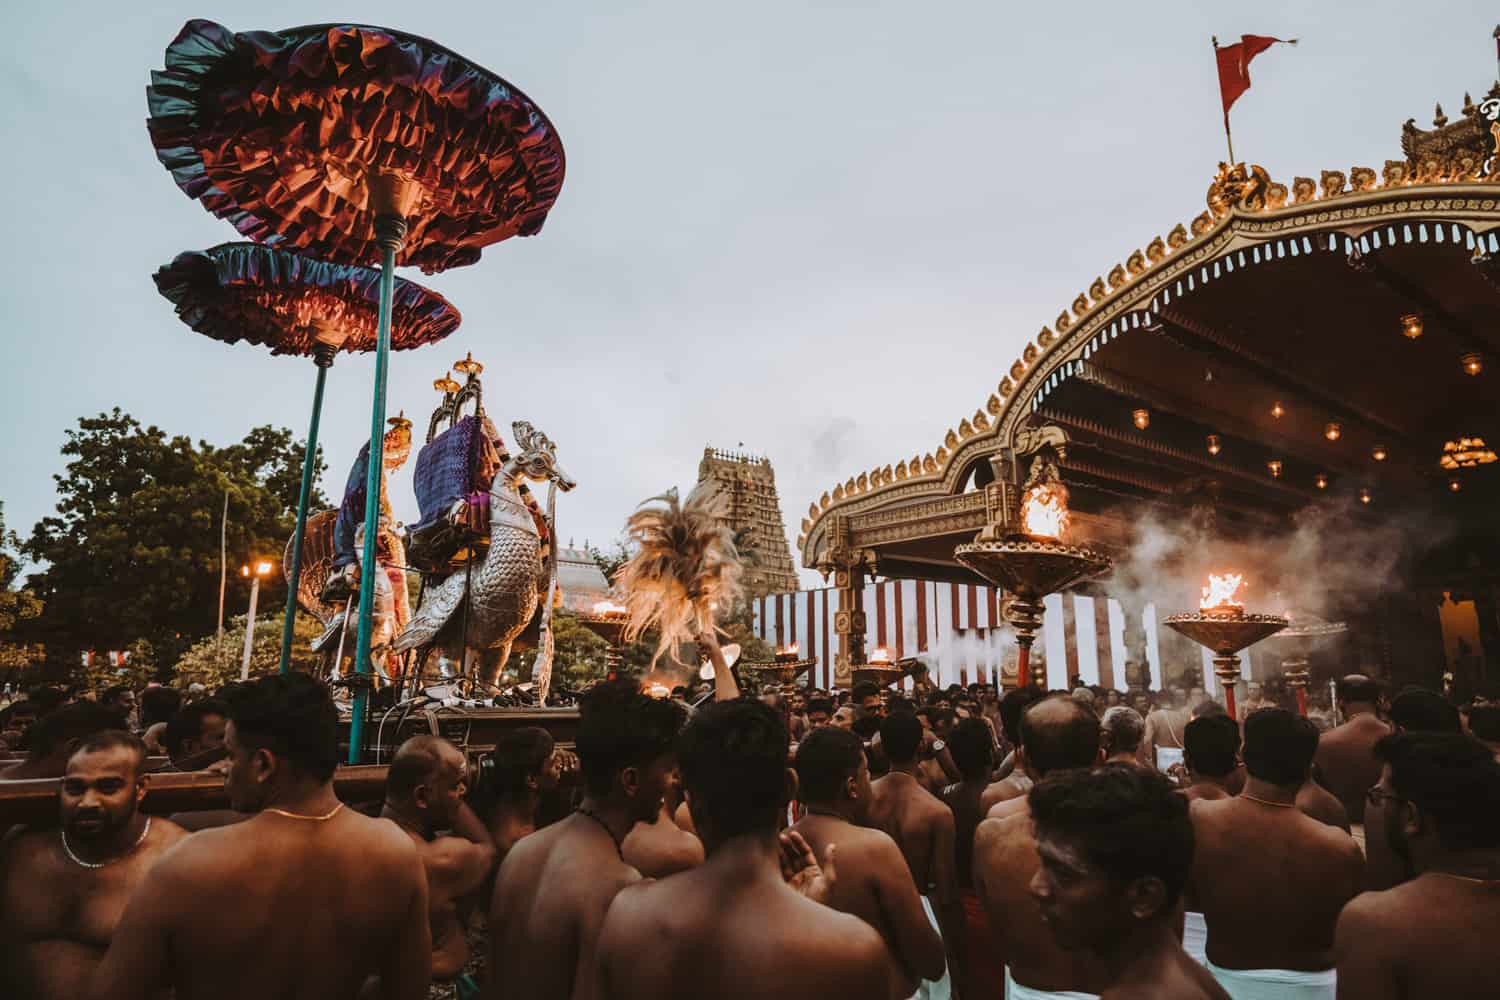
(296, 305)
(359, 144)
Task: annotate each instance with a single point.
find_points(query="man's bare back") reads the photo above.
(917, 821)
(662, 848)
(277, 907)
(1346, 762)
(1013, 787)
(59, 917)
(1420, 939)
(550, 899)
(1005, 862)
(1270, 882)
(731, 929)
(874, 884)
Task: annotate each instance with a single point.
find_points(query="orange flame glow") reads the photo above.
(1221, 590)
(881, 655)
(658, 691)
(608, 608)
(792, 649)
(1044, 511)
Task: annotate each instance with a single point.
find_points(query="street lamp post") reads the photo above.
(261, 569)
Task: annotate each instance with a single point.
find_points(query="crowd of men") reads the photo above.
(868, 844)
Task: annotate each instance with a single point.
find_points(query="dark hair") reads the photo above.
(112, 692)
(901, 704)
(188, 724)
(1210, 744)
(1125, 728)
(1127, 821)
(901, 735)
(620, 727)
(1279, 746)
(415, 762)
(1451, 778)
(863, 690)
(1417, 709)
(159, 704)
(866, 726)
(1012, 707)
(823, 705)
(46, 698)
(1357, 687)
(110, 739)
(972, 748)
(56, 730)
(938, 716)
(1062, 743)
(733, 756)
(293, 716)
(519, 756)
(1207, 709)
(1484, 722)
(825, 760)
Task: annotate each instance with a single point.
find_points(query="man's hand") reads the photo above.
(800, 868)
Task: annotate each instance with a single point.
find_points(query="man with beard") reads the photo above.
(527, 765)
(1116, 845)
(819, 713)
(1269, 878)
(833, 782)
(1432, 936)
(922, 828)
(62, 891)
(424, 794)
(740, 926)
(554, 887)
(1057, 734)
(1346, 754)
(304, 899)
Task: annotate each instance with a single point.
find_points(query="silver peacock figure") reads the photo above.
(486, 607)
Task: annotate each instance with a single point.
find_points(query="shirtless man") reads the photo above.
(1164, 728)
(923, 828)
(1420, 710)
(62, 891)
(1346, 754)
(56, 735)
(661, 847)
(1122, 731)
(833, 782)
(424, 794)
(1057, 734)
(306, 899)
(1432, 936)
(555, 885)
(1210, 754)
(195, 731)
(1012, 783)
(1270, 879)
(733, 928)
(1116, 845)
(973, 749)
(526, 766)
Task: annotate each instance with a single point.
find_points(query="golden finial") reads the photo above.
(399, 420)
(446, 383)
(468, 365)
(1438, 118)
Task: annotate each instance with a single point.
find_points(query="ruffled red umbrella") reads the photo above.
(358, 144)
(294, 304)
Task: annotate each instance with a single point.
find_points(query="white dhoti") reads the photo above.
(1195, 936)
(1015, 991)
(1275, 984)
(927, 989)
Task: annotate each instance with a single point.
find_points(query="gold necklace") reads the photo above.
(314, 819)
(107, 861)
(1268, 802)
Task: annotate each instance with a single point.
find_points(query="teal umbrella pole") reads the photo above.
(323, 353)
(390, 232)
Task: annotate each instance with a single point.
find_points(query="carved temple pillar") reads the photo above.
(849, 567)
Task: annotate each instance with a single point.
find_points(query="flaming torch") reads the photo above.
(607, 620)
(785, 667)
(879, 669)
(1029, 558)
(1224, 627)
(1306, 632)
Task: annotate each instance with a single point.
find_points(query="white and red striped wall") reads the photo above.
(957, 628)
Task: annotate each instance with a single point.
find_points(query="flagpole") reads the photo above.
(1227, 137)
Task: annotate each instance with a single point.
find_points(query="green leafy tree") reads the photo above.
(132, 552)
(215, 661)
(17, 607)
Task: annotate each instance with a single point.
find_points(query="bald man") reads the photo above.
(63, 891)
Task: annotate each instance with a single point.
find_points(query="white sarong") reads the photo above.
(1015, 991)
(927, 989)
(1195, 936)
(1275, 984)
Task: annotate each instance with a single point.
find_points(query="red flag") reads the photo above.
(1234, 64)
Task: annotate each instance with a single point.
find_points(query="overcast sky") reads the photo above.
(822, 230)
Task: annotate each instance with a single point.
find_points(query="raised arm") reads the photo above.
(459, 864)
(725, 688)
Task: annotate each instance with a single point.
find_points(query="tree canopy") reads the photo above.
(132, 552)
(17, 607)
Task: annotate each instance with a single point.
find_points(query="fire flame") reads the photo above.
(881, 655)
(609, 608)
(1044, 510)
(1221, 590)
(659, 691)
(792, 649)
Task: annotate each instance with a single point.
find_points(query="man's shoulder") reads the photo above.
(999, 832)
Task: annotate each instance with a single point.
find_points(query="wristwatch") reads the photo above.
(938, 746)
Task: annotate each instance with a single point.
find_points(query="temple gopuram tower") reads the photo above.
(749, 483)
